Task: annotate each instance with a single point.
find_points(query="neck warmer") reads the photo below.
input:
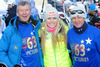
(51, 29)
(81, 29)
(22, 22)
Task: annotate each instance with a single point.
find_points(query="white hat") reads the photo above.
(77, 14)
(50, 12)
(71, 7)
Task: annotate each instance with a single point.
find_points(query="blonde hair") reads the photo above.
(60, 29)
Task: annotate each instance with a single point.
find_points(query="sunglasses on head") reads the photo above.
(78, 11)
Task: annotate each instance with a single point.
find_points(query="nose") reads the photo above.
(76, 20)
(24, 12)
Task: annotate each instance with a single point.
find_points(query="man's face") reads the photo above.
(78, 21)
(24, 12)
(9, 6)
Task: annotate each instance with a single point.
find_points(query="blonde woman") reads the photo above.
(53, 40)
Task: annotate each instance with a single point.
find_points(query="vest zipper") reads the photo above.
(54, 50)
(55, 56)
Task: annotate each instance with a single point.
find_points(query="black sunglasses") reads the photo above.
(78, 11)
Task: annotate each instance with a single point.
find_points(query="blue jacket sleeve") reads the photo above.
(4, 47)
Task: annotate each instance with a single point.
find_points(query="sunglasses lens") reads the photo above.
(73, 12)
(80, 11)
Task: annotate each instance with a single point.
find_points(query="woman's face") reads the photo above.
(51, 22)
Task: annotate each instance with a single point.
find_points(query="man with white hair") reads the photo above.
(83, 40)
(20, 41)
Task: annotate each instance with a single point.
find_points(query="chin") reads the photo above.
(78, 27)
(25, 20)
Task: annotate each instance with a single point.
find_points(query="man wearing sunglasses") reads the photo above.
(83, 40)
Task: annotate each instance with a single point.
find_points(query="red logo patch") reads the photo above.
(51, 14)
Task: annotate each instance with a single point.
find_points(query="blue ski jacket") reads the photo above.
(11, 43)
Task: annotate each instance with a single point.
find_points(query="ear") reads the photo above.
(84, 19)
(17, 13)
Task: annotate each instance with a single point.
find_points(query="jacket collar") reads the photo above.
(81, 29)
(14, 21)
